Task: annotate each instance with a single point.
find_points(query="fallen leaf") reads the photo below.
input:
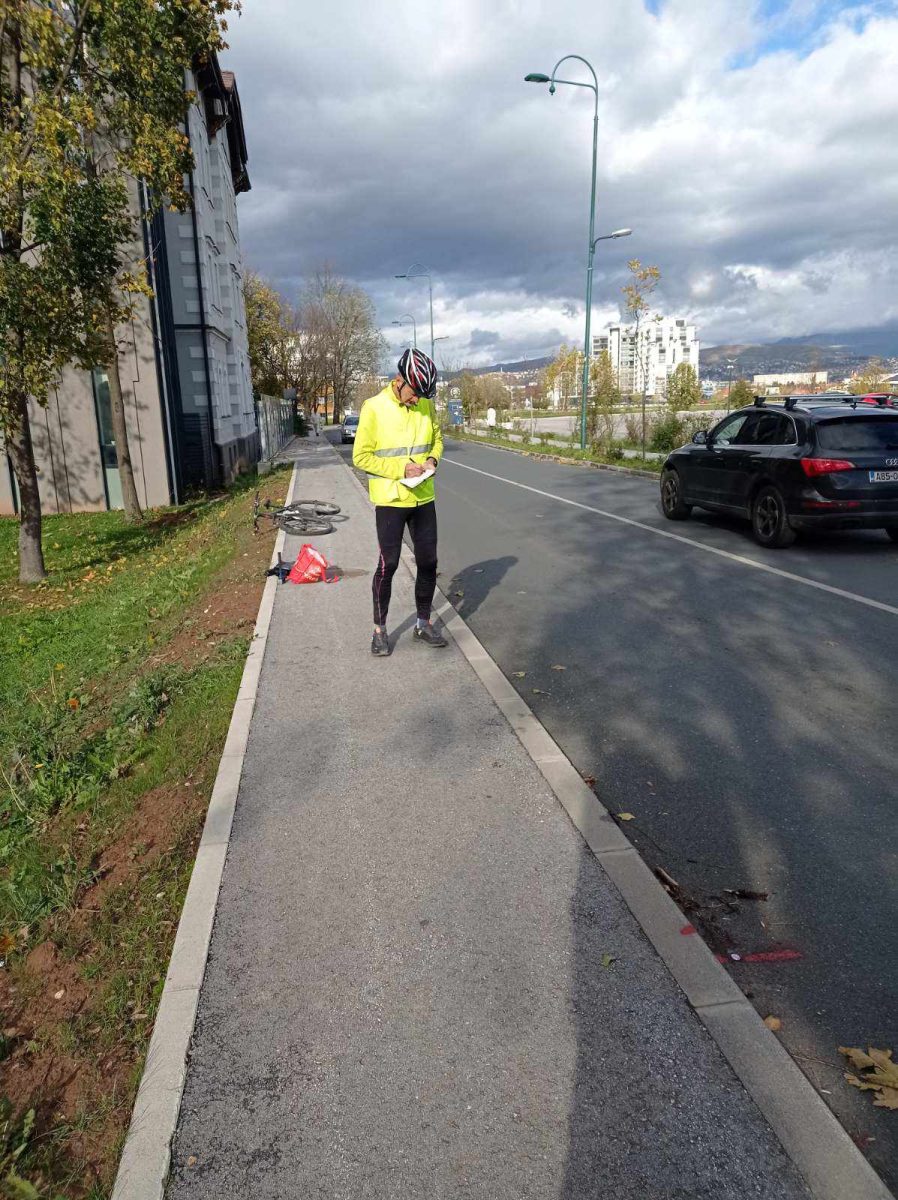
(607, 960)
(857, 1057)
(74, 703)
(59, 995)
(191, 1162)
(881, 1074)
(538, 692)
(459, 593)
(625, 817)
(773, 1023)
(589, 780)
(519, 674)
(558, 667)
(478, 570)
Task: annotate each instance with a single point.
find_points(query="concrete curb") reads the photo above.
(570, 462)
(831, 1164)
(144, 1165)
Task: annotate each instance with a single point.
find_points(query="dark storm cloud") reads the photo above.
(750, 188)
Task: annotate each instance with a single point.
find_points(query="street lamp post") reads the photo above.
(404, 320)
(419, 271)
(537, 77)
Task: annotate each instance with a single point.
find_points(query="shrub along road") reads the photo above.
(744, 720)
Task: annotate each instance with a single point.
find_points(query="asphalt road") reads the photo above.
(744, 716)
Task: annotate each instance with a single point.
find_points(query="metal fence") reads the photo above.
(274, 420)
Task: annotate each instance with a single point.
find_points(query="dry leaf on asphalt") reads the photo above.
(519, 674)
(558, 667)
(539, 692)
(625, 817)
(459, 593)
(773, 1023)
(607, 960)
(881, 1074)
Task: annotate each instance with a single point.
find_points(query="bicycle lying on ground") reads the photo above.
(310, 517)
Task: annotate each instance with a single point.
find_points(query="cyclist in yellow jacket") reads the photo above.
(398, 441)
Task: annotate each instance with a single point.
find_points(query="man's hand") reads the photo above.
(432, 463)
(413, 470)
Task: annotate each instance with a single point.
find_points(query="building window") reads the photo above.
(108, 452)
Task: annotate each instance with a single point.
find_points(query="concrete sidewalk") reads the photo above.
(421, 982)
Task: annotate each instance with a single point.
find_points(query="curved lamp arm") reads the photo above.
(594, 86)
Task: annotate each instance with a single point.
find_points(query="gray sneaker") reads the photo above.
(380, 644)
(428, 636)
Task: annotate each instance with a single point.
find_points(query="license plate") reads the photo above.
(884, 476)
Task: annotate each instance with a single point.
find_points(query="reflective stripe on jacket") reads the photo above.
(388, 435)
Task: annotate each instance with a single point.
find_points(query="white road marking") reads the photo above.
(677, 537)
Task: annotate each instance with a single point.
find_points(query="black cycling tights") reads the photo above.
(422, 525)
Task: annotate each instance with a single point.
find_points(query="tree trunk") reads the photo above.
(21, 451)
(120, 429)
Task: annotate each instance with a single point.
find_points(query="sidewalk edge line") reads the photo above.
(146, 1157)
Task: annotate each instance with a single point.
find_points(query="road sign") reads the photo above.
(456, 415)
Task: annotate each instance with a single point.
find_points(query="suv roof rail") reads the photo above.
(758, 401)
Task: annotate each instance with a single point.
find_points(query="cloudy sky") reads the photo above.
(752, 145)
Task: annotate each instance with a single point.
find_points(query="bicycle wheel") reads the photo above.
(305, 524)
(321, 508)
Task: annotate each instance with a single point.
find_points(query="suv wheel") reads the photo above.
(769, 522)
(892, 531)
(673, 505)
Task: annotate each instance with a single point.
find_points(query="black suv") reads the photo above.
(803, 462)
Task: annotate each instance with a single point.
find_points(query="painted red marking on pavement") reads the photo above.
(687, 929)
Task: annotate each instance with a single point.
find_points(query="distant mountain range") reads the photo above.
(839, 350)
(880, 342)
(512, 368)
(797, 354)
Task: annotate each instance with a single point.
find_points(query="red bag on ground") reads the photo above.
(310, 567)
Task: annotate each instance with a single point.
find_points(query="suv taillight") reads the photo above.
(825, 466)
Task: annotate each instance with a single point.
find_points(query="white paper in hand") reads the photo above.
(418, 478)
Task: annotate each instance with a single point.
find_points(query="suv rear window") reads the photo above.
(858, 433)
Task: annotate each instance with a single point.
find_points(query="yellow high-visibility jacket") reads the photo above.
(388, 435)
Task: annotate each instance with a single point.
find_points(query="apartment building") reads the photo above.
(791, 379)
(661, 346)
(184, 358)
